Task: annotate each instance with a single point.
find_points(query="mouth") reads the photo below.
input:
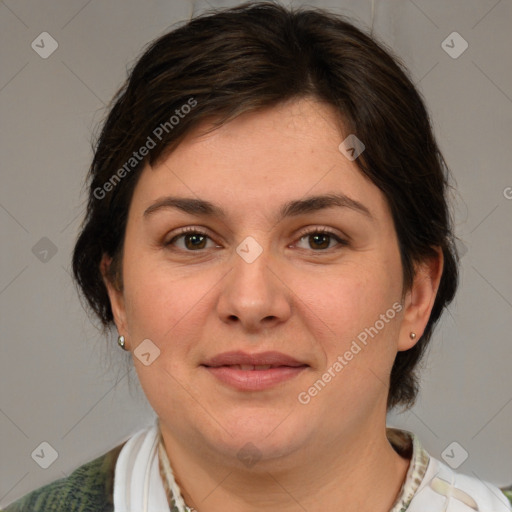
(257, 361)
(252, 367)
(253, 372)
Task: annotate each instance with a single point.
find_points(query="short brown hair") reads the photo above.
(255, 56)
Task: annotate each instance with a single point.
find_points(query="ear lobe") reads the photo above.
(116, 296)
(420, 299)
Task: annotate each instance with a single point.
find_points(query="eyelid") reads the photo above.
(188, 229)
(341, 238)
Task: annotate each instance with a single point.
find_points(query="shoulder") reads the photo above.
(87, 489)
(444, 489)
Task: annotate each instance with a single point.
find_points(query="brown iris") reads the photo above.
(321, 240)
(195, 241)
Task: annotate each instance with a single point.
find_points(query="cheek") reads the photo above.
(352, 299)
(356, 317)
(363, 315)
(165, 304)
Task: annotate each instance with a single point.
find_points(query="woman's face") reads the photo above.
(263, 267)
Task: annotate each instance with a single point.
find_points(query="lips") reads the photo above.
(261, 361)
(252, 366)
(253, 372)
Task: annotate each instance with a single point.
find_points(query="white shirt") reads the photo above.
(430, 485)
(138, 486)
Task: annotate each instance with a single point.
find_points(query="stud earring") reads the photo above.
(412, 335)
(121, 342)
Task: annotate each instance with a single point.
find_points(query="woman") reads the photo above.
(267, 229)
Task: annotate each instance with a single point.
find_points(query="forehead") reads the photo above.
(261, 160)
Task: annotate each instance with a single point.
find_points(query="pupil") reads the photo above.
(318, 240)
(194, 241)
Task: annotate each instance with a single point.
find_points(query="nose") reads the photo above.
(253, 294)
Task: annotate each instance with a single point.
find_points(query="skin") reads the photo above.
(303, 296)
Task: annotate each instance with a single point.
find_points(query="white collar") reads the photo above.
(138, 486)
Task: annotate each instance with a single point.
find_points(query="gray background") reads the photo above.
(64, 384)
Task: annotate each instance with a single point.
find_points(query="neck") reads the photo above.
(360, 472)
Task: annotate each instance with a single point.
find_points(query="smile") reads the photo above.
(253, 372)
(251, 367)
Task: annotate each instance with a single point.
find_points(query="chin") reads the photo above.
(263, 436)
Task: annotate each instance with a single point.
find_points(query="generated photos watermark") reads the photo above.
(304, 397)
(139, 155)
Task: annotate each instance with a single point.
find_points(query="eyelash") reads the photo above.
(323, 231)
(308, 231)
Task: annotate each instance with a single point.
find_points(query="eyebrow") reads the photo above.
(200, 207)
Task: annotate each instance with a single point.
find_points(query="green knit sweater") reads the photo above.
(88, 489)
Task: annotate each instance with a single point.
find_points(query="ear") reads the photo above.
(116, 296)
(419, 300)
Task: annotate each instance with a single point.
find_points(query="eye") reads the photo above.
(191, 239)
(321, 239)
